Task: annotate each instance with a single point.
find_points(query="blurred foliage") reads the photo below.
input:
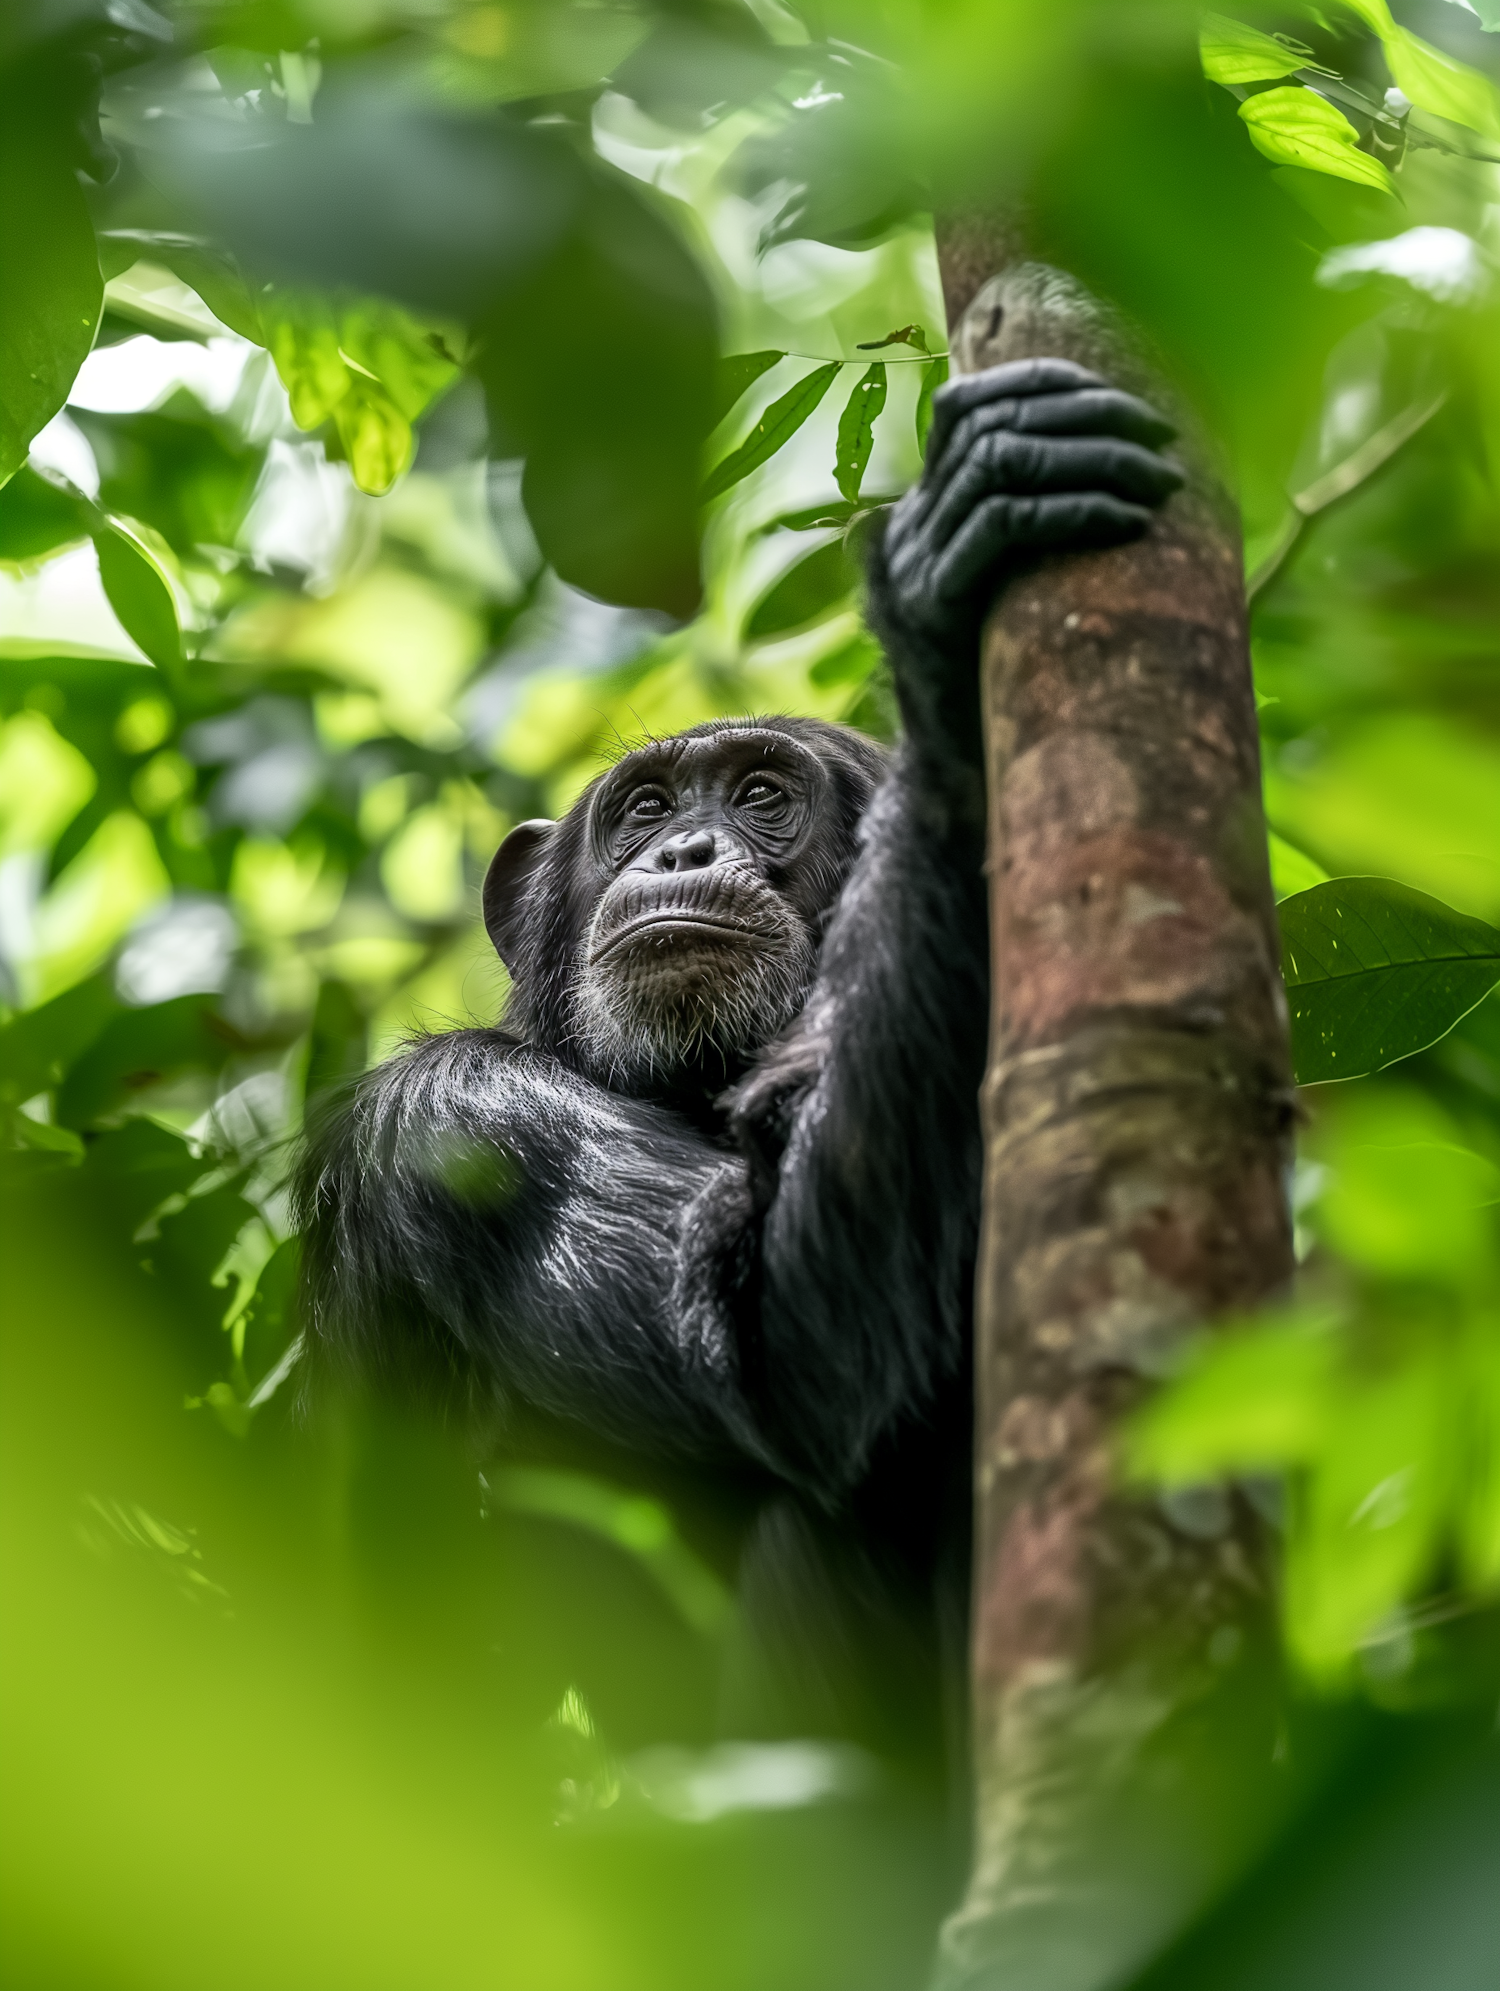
(402, 405)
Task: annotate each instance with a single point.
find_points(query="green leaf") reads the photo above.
(1297, 127)
(38, 517)
(932, 379)
(738, 372)
(806, 591)
(410, 360)
(1434, 81)
(140, 595)
(39, 1046)
(1376, 971)
(857, 431)
(776, 426)
(837, 512)
(51, 292)
(1249, 1399)
(375, 434)
(1373, 1512)
(303, 342)
(1233, 52)
(139, 1047)
(632, 1521)
(368, 366)
(850, 663)
(1292, 870)
(213, 273)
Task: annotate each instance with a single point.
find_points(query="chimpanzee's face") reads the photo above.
(703, 933)
(668, 927)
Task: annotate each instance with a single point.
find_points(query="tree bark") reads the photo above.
(1136, 1112)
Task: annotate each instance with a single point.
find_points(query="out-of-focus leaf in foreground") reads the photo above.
(51, 291)
(1376, 971)
(594, 325)
(1434, 81)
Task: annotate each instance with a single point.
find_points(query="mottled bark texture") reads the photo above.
(1136, 1116)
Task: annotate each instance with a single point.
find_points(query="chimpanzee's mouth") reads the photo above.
(666, 921)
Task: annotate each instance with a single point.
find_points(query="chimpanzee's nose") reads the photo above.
(689, 850)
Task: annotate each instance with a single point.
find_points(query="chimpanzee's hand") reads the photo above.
(1038, 456)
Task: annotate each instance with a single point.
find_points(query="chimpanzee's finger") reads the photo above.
(1014, 381)
(1002, 527)
(1002, 464)
(1091, 411)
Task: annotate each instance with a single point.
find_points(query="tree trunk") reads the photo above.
(1136, 1114)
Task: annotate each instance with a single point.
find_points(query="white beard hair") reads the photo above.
(629, 1034)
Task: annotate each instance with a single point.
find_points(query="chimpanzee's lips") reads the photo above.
(665, 920)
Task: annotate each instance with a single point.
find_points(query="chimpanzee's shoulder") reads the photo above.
(487, 1068)
(493, 1084)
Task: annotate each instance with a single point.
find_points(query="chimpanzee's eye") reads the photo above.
(647, 805)
(758, 790)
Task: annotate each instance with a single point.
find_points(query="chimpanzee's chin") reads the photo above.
(653, 1013)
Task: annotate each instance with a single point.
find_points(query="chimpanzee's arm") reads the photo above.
(480, 1219)
(862, 1126)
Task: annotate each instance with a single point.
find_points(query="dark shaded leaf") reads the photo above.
(932, 379)
(737, 373)
(776, 426)
(38, 516)
(271, 1316)
(595, 325)
(851, 663)
(904, 335)
(212, 273)
(846, 155)
(857, 431)
(39, 1046)
(839, 512)
(138, 593)
(176, 468)
(51, 292)
(1376, 971)
(807, 590)
(137, 1048)
(137, 1167)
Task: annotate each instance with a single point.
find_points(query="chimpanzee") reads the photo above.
(710, 1191)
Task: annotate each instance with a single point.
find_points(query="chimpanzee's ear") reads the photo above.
(512, 869)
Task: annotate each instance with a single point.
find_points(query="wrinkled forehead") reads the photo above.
(697, 760)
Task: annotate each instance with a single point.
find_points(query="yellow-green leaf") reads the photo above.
(1434, 81)
(1234, 52)
(375, 434)
(410, 361)
(1297, 127)
(303, 341)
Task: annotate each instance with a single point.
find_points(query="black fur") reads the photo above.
(759, 1261)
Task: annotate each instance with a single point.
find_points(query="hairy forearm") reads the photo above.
(937, 690)
(868, 1212)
